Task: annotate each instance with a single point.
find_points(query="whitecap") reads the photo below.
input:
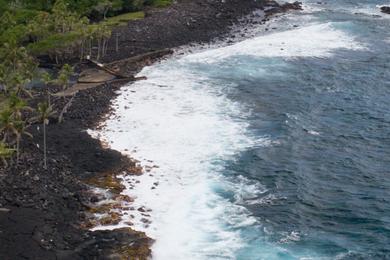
(182, 134)
(312, 132)
(318, 40)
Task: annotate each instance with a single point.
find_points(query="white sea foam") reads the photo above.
(319, 40)
(312, 132)
(182, 128)
(179, 122)
(370, 10)
(309, 7)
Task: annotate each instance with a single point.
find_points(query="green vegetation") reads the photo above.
(161, 3)
(123, 19)
(5, 153)
(62, 29)
(45, 111)
(55, 31)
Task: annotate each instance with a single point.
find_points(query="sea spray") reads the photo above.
(187, 130)
(182, 129)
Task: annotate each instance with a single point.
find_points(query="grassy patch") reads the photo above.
(161, 3)
(123, 19)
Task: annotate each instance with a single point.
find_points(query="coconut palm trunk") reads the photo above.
(45, 112)
(44, 146)
(17, 150)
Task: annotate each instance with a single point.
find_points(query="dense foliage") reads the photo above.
(82, 7)
(59, 30)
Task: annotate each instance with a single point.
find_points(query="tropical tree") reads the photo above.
(104, 6)
(45, 111)
(63, 76)
(40, 27)
(20, 130)
(17, 68)
(5, 153)
(7, 125)
(102, 34)
(17, 105)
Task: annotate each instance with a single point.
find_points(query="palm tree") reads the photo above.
(5, 153)
(7, 124)
(20, 130)
(8, 130)
(64, 75)
(45, 111)
(17, 105)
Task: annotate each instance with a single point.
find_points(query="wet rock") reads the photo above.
(292, 6)
(277, 8)
(385, 9)
(108, 181)
(145, 221)
(122, 243)
(113, 218)
(104, 208)
(94, 199)
(124, 198)
(134, 169)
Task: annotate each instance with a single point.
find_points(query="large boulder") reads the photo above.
(385, 9)
(292, 6)
(274, 7)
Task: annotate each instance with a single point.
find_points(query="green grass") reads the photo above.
(123, 19)
(161, 3)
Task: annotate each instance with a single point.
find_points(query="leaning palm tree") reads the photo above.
(45, 111)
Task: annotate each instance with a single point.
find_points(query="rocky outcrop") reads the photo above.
(385, 9)
(281, 8)
(292, 6)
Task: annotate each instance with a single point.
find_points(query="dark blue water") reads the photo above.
(328, 174)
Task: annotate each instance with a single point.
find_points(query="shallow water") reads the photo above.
(276, 147)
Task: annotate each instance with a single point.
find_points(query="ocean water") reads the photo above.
(274, 147)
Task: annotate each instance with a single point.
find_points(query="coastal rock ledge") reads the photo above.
(275, 8)
(385, 9)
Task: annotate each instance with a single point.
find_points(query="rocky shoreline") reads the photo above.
(43, 213)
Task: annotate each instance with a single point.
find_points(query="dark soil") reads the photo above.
(189, 21)
(41, 210)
